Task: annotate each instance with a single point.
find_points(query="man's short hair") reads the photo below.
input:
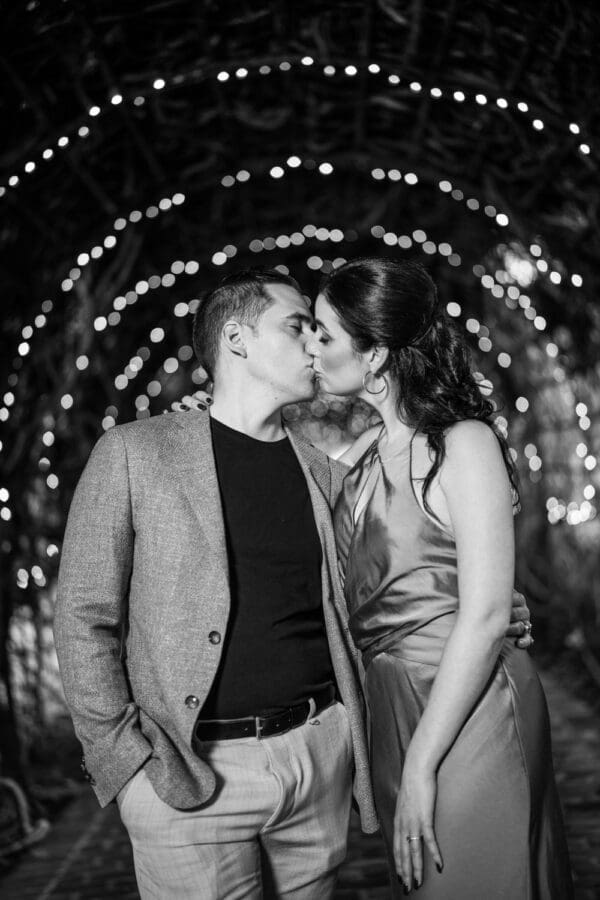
(242, 296)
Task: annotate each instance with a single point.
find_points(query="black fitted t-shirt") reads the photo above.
(275, 651)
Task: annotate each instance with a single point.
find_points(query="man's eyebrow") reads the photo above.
(300, 317)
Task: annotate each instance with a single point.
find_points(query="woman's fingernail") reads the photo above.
(209, 400)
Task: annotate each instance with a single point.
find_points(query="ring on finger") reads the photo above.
(527, 628)
(413, 837)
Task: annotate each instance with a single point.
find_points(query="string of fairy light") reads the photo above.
(349, 70)
(239, 73)
(506, 283)
(283, 241)
(403, 241)
(522, 269)
(171, 364)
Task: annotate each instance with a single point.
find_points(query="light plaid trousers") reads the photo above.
(276, 826)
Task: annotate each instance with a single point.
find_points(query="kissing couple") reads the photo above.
(250, 632)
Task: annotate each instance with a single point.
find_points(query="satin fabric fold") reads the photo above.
(498, 819)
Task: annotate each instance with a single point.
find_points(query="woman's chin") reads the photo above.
(332, 390)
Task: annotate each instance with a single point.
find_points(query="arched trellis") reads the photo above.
(409, 82)
(308, 233)
(513, 298)
(277, 66)
(337, 66)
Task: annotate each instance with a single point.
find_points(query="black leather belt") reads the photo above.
(263, 726)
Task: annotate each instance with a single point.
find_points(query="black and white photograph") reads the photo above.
(299, 450)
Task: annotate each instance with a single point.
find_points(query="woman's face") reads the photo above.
(340, 368)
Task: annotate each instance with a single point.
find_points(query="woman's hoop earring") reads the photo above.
(383, 388)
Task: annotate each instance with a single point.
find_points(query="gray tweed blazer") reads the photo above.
(143, 581)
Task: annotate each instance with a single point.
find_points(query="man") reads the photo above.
(201, 627)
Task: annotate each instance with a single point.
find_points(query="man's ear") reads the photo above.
(378, 358)
(232, 336)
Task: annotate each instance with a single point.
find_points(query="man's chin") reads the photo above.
(311, 392)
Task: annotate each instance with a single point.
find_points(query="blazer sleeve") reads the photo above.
(91, 609)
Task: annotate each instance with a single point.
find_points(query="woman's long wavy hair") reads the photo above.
(382, 302)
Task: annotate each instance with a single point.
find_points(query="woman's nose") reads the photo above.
(312, 346)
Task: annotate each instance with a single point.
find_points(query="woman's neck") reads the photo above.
(394, 428)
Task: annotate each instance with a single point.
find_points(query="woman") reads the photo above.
(460, 739)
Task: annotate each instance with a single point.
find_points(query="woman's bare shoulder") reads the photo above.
(473, 457)
(471, 437)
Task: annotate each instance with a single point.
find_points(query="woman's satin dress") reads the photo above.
(498, 820)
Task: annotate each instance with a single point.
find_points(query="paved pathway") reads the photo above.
(86, 856)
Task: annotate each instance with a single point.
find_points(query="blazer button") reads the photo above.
(192, 702)
(214, 637)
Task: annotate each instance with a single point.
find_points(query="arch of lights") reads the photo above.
(523, 269)
(573, 513)
(350, 70)
(404, 241)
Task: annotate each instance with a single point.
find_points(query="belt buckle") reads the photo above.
(258, 726)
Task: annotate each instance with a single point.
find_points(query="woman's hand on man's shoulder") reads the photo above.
(196, 401)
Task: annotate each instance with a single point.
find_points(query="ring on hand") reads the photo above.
(413, 837)
(527, 626)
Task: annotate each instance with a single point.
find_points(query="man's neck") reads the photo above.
(256, 417)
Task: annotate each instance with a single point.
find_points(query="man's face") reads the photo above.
(276, 347)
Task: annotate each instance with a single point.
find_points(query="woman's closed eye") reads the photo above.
(322, 336)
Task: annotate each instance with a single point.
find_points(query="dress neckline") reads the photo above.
(397, 447)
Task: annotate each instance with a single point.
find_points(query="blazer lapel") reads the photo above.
(191, 458)
(318, 478)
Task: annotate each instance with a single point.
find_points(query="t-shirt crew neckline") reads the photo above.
(241, 436)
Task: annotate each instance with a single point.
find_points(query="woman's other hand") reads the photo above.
(520, 622)
(415, 807)
(197, 401)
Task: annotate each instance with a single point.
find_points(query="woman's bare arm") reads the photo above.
(477, 494)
